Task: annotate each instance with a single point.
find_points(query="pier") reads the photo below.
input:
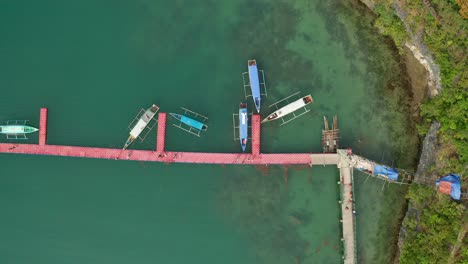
(161, 138)
(160, 154)
(343, 159)
(43, 127)
(255, 135)
(347, 208)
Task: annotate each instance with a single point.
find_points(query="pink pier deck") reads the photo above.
(256, 135)
(43, 127)
(161, 139)
(159, 155)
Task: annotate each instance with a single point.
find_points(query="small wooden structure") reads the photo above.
(330, 136)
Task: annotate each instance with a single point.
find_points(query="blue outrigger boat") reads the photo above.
(243, 125)
(193, 126)
(254, 83)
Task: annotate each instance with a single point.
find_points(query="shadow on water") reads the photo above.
(256, 204)
(264, 32)
(284, 213)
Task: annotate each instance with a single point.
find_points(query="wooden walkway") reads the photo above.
(347, 208)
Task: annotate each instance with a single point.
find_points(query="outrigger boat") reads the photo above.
(193, 126)
(290, 108)
(254, 83)
(142, 123)
(16, 129)
(243, 125)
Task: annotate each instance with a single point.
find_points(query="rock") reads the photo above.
(425, 58)
(427, 161)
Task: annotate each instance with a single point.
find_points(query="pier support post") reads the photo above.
(255, 135)
(43, 127)
(161, 138)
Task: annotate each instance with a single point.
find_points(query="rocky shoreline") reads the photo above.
(423, 86)
(426, 60)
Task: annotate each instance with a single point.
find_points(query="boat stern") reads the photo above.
(243, 142)
(257, 104)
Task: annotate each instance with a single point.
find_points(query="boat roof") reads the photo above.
(243, 123)
(192, 122)
(254, 81)
(17, 129)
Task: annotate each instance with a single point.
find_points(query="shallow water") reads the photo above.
(94, 64)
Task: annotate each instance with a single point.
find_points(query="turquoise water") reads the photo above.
(94, 64)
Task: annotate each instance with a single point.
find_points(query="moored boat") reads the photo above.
(141, 124)
(190, 122)
(16, 130)
(288, 109)
(254, 83)
(243, 125)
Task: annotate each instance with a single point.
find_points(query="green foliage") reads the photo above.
(443, 30)
(450, 108)
(389, 24)
(433, 230)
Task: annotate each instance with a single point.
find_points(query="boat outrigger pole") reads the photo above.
(142, 124)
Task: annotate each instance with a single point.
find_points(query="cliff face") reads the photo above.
(415, 45)
(427, 161)
(420, 51)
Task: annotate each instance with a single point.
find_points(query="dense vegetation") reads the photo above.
(433, 229)
(438, 24)
(434, 221)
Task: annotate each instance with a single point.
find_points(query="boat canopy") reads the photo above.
(387, 172)
(254, 81)
(243, 126)
(17, 129)
(451, 185)
(192, 122)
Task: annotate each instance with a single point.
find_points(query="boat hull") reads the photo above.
(254, 83)
(129, 142)
(17, 129)
(243, 126)
(288, 109)
(142, 123)
(190, 122)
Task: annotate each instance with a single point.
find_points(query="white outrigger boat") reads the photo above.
(289, 108)
(145, 117)
(16, 129)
